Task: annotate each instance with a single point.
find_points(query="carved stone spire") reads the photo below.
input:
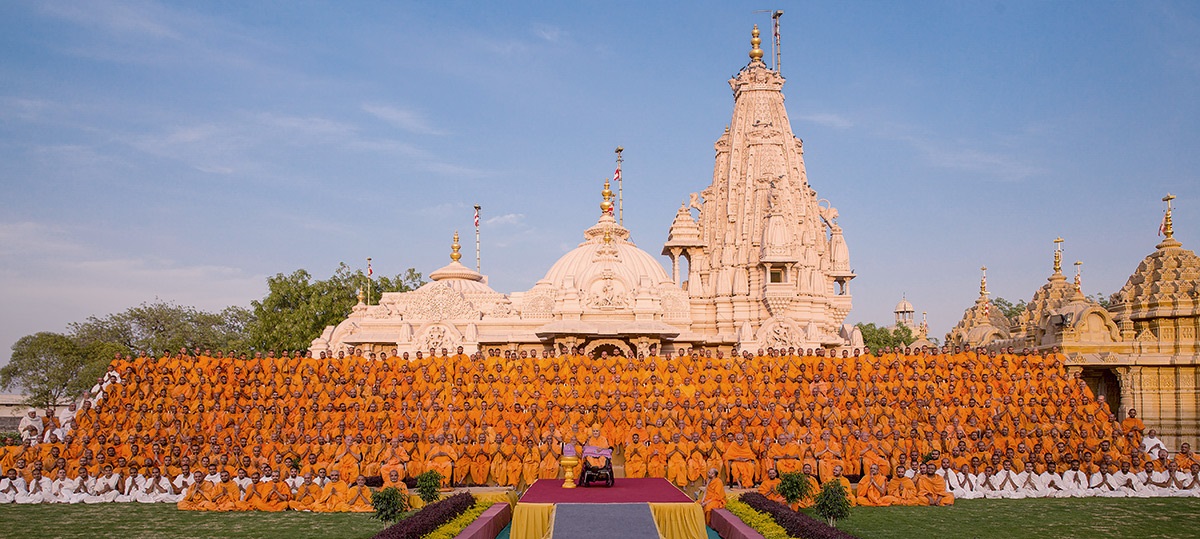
(773, 259)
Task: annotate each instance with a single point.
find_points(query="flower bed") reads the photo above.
(761, 522)
(429, 518)
(795, 523)
(451, 529)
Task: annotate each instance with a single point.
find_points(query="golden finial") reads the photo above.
(1168, 228)
(454, 247)
(361, 298)
(607, 236)
(756, 53)
(606, 206)
(1078, 276)
(1058, 255)
(983, 281)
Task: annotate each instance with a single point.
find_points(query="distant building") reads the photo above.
(1141, 352)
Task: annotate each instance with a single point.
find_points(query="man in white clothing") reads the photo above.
(38, 490)
(1126, 482)
(1029, 483)
(1151, 444)
(243, 482)
(67, 414)
(1101, 484)
(85, 485)
(1076, 481)
(1004, 483)
(184, 479)
(11, 485)
(30, 426)
(968, 485)
(294, 479)
(60, 488)
(156, 489)
(108, 487)
(1172, 481)
(1052, 482)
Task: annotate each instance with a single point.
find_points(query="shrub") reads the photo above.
(761, 522)
(389, 504)
(795, 523)
(451, 529)
(428, 485)
(794, 486)
(429, 518)
(832, 504)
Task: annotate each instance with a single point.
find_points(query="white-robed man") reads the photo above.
(1076, 481)
(1052, 482)
(60, 488)
(1102, 484)
(11, 485)
(1152, 444)
(84, 486)
(30, 426)
(184, 479)
(157, 489)
(38, 490)
(1004, 483)
(294, 479)
(108, 487)
(1127, 482)
(1030, 483)
(968, 485)
(1172, 481)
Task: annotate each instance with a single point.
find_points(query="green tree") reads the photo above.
(52, 367)
(878, 338)
(165, 326)
(1104, 300)
(832, 504)
(297, 308)
(1009, 309)
(794, 486)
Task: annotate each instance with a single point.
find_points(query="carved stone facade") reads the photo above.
(767, 266)
(1142, 351)
(765, 254)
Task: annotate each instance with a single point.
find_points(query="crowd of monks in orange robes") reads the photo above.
(502, 419)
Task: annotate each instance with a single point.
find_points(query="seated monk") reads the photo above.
(932, 487)
(768, 487)
(714, 495)
(358, 499)
(872, 489)
(333, 495)
(278, 496)
(392, 480)
(599, 441)
(305, 498)
(901, 489)
(837, 476)
(814, 488)
(199, 495)
(742, 461)
(226, 493)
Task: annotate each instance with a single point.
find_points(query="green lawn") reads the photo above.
(1156, 518)
(137, 521)
(1110, 518)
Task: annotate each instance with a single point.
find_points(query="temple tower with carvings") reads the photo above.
(767, 262)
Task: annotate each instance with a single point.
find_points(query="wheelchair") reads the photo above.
(591, 474)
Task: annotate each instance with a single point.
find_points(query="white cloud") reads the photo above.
(827, 119)
(549, 32)
(506, 219)
(121, 18)
(405, 119)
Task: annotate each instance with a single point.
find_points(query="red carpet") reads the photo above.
(646, 490)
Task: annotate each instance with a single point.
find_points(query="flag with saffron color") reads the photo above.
(369, 270)
(476, 217)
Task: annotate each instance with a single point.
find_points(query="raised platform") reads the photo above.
(632, 508)
(624, 490)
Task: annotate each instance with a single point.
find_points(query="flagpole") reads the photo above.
(477, 266)
(620, 189)
(369, 272)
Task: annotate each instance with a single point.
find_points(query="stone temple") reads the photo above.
(1141, 351)
(766, 266)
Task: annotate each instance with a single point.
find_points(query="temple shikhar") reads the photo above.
(1140, 351)
(757, 261)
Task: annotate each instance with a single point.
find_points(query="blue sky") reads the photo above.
(186, 151)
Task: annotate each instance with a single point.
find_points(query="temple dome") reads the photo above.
(1166, 283)
(904, 306)
(606, 252)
